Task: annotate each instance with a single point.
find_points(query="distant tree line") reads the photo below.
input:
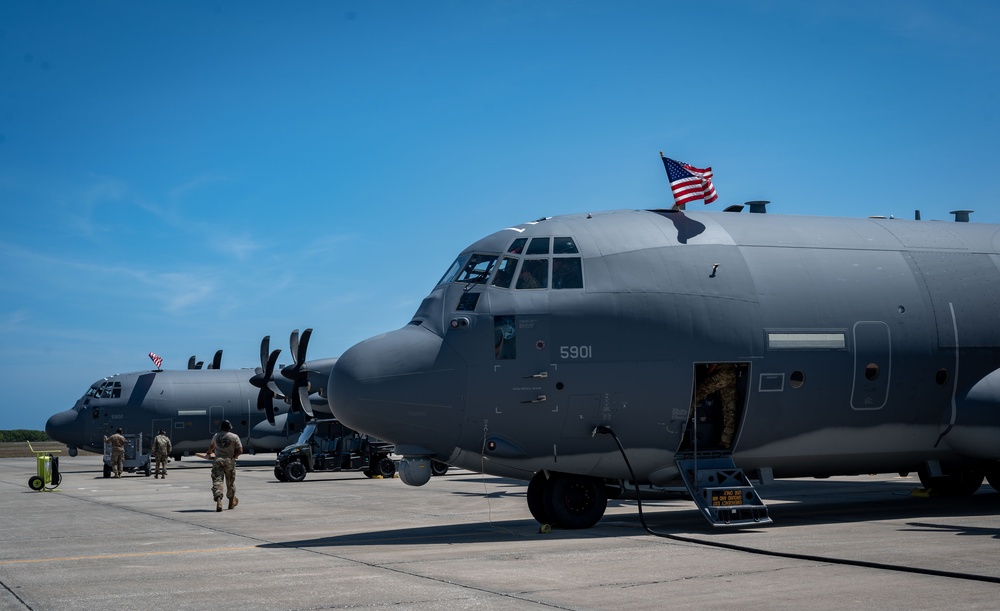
(22, 435)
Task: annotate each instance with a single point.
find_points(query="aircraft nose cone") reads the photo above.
(406, 387)
(62, 427)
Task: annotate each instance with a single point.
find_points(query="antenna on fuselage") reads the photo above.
(961, 216)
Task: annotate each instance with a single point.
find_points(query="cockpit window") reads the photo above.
(567, 273)
(517, 246)
(534, 274)
(477, 270)
(474, 268)
(106, 390)
(505, 273)
(538, 246)
(457, 265)
(561, 246)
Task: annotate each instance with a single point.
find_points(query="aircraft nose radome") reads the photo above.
(60, 427)
(406, 387)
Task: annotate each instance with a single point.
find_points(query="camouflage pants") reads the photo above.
(160, 464)
(117, 461)
(723, 381)
(224, 468)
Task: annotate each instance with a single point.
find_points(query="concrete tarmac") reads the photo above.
(340, 540)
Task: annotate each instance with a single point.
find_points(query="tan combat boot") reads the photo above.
(218, 505)
(233, 502)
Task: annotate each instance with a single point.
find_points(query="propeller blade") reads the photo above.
(295, 372)
(191, 362)
(265, 349)
(303, 400)
(217, 361)
(262, 379)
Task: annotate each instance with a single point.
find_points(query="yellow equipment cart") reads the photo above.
(48, 476)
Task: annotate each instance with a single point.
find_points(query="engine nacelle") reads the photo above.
(977, 422)
(415, 470)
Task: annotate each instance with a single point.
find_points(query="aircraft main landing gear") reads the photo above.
(567, 501)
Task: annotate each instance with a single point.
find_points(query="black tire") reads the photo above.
(295, 471)
(385, 467)
(536, 499)
(575, 501)
(438, 467)
(107, 471)
(954, 483)
(147, 470)
(36, 483)
(279, 473)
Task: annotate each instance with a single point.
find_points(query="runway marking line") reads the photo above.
(132, 555)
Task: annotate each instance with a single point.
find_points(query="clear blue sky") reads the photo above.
(181, 177)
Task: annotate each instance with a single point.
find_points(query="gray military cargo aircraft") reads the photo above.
(565, 352)
(190, 404)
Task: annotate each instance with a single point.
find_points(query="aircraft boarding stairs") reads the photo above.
(721, 490)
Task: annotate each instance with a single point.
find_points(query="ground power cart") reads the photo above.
(135, 460)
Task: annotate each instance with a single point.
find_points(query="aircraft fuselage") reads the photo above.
(188, 404)
(869, 346)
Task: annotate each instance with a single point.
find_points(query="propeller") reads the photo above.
(297, 373)
(263, 378)
(216, 363)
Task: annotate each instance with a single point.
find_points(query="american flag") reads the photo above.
(156, 360)
(689, 183)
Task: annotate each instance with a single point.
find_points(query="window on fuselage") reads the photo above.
(470, 269)
(564, 246)
(538, 246)
(534, 274)
(567, 273)
(517, 246)
(505, 272)
(477, 269)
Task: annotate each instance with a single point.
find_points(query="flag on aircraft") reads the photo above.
(156, 360)
(689, 183)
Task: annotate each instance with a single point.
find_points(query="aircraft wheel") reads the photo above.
(107, 471)
(438, 467)
(295, 471)
(956, 483)
(36, 483)
(536, 499)
(575, 501)
(147, 470)
(279, 473)
(385, 467)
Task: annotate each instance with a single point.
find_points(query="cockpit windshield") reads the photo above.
(470, 269)
(528, 264)
(106, 390)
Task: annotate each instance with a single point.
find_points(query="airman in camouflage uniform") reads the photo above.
(227, 447)
(720, 378)
(117, 442)
(161, 450)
